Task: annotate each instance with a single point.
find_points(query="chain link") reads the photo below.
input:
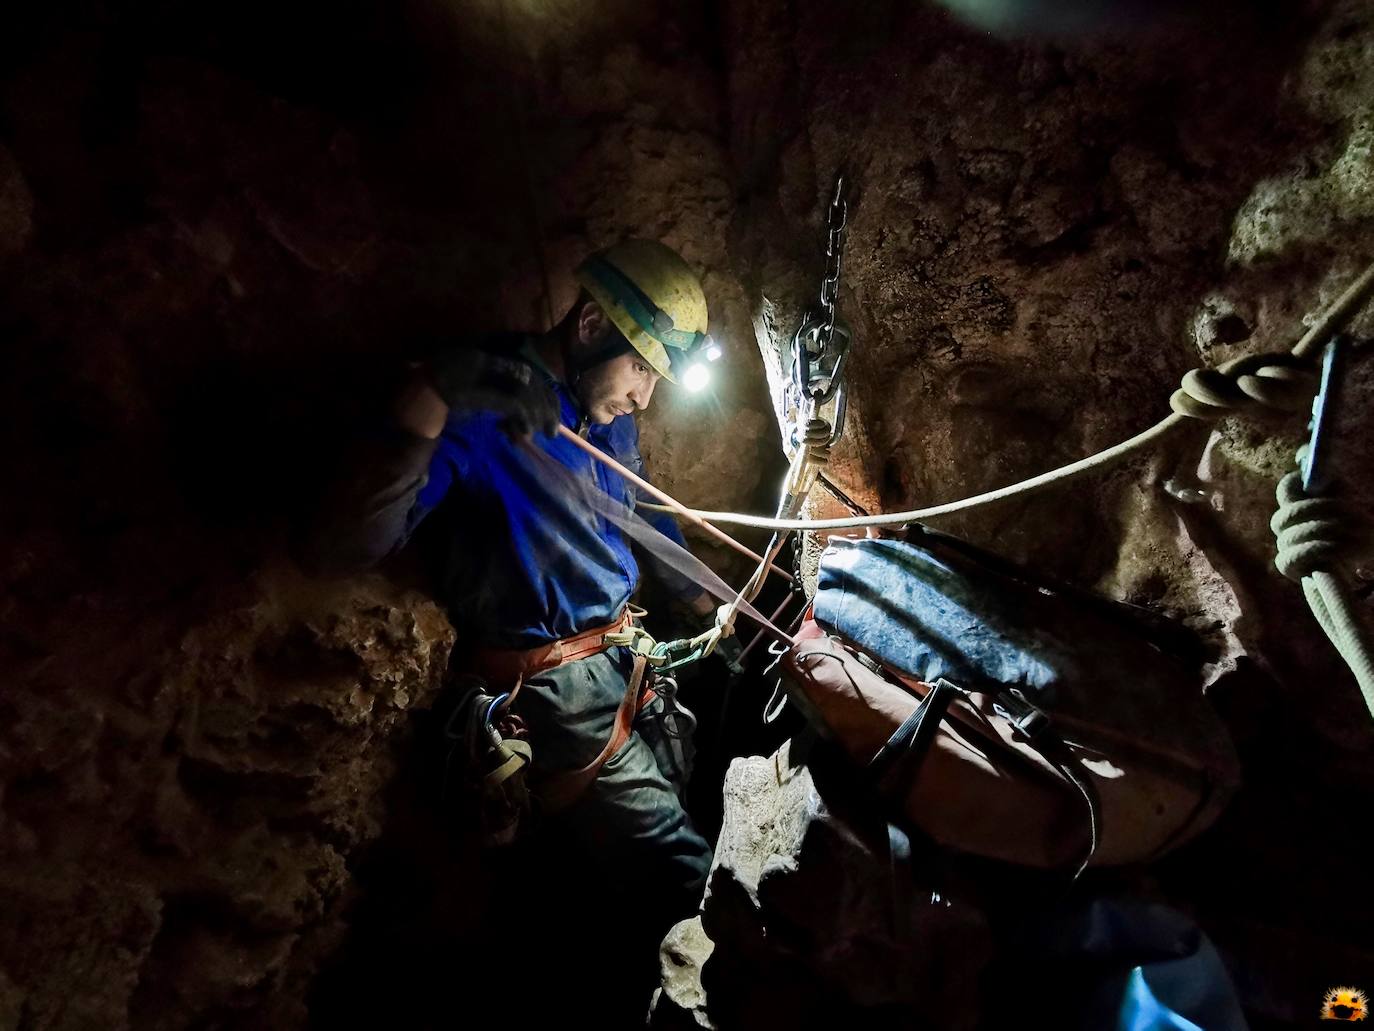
(816, 374)
(837, 218)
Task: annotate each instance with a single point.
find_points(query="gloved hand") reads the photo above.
(731, 652)
(469, 379)
(721, 640)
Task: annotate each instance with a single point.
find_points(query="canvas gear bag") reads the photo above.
(1004, 718)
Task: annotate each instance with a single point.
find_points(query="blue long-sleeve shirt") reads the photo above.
(527, 552)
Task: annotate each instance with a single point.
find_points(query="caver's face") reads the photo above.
(620, 386)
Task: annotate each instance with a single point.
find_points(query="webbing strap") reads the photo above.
(904, 751)
(518, 755)
(563, 789)
(1058, 755)
(507, 665)
(911, 741)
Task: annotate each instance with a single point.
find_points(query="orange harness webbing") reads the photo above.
(513, 665)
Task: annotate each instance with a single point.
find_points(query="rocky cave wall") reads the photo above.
(218, 232)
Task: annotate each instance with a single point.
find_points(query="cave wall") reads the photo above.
(222, 230)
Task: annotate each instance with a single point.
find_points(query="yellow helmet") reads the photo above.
(653, 298)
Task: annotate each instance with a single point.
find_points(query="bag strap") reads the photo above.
(1058, 755)
(899, 760)
(897, 763)
(1033, 726)
(911, 741)
(563, 789)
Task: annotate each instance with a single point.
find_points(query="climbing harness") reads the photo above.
(514, 666)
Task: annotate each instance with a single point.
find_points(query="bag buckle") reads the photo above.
(1027, 719)
(872, 664)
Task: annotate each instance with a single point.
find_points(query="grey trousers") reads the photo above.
(632, 813)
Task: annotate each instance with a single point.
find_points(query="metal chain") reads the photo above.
(817, 364)
(837, 218)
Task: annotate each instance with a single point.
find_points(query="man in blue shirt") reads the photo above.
(537, 565)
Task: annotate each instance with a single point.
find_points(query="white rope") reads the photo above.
(1309, 536)
(1077, 469)
(1199, 399)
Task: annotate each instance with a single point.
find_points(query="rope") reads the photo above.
(807, 460)
(1306, 529)
(1309, 539)
(800, 473)
(1247, 385)
(673, 505)
(1069, 472)
(1266, 381)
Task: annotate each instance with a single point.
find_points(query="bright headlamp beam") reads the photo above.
(696, 377)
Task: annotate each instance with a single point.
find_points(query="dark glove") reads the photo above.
(469, 379)
(731, 653)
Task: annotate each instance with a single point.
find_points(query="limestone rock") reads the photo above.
(680, 1001)
(807, 919)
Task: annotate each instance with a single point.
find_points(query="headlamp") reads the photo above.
(697, 375)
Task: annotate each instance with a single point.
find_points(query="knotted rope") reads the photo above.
(1307, 529)
(1246, 386)
(1310, 532)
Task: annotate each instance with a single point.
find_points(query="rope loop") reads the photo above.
(1253, 383)
(816, 440)
(1307, 529)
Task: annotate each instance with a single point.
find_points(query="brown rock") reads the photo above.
(801, 908)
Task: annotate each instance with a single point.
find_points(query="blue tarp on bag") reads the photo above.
(1061, 694)
(928, 615)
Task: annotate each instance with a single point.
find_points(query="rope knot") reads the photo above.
(816, 440)
(1251, 383)
(1307, 530)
